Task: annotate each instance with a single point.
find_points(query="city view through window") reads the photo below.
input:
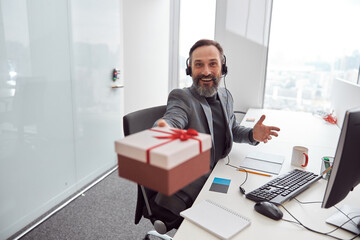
(311, 43)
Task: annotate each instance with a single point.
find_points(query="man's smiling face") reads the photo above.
(206, 69)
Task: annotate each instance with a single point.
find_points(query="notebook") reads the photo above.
(217, 219)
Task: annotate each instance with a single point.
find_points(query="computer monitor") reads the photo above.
(345, 173)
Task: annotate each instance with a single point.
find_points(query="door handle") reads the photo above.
(117, 86)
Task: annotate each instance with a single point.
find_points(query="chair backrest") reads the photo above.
(135, 122)
(143, 119)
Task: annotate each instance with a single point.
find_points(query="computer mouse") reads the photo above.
(269, 209)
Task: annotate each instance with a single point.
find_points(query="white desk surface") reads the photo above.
(297, 128)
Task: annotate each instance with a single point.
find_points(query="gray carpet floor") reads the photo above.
(105, 211)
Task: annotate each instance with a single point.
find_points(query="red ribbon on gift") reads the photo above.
(183, 135)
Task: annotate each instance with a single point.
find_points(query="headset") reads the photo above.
(188, 69)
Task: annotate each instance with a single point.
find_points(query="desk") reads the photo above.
(297, 128)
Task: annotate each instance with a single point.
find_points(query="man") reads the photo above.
(208, 109)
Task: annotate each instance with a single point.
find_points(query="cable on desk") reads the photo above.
(242, 190)
(315, 231)
(228, 163)
(307, 202)
(246, 174)
(350, 219)
(307, 228)
(240, 112)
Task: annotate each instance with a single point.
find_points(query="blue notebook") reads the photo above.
(217, 219)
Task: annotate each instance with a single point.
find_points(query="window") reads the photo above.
(311, 43)
(197, 21)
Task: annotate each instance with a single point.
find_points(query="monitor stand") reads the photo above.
(342, 221)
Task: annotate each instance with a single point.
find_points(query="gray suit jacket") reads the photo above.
(187, 109)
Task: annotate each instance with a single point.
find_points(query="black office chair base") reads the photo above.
(156, 234)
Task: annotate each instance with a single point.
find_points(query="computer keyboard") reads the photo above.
(284, 187)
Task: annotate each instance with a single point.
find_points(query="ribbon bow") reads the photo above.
(183, 135)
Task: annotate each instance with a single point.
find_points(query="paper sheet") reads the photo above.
(265, 162)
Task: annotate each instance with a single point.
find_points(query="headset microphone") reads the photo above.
(216, 78)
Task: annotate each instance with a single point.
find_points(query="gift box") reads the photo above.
(164, 159)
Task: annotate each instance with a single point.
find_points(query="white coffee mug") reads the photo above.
(300, 157)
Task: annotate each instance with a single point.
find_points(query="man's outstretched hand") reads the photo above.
(162, 123)
(263, 133)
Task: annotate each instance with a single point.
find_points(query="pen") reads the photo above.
(326, 170)
(262, 174)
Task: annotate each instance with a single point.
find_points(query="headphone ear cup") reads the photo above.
(188, 68)
(188, 71)
(224, 69)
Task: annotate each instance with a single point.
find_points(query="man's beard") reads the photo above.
(206, 91)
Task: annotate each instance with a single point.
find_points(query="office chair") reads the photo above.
(162, 219)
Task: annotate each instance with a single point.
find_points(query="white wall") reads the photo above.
(344, 96)
(36, 126)
(242, 28)
(59, 116)
(146, 53)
